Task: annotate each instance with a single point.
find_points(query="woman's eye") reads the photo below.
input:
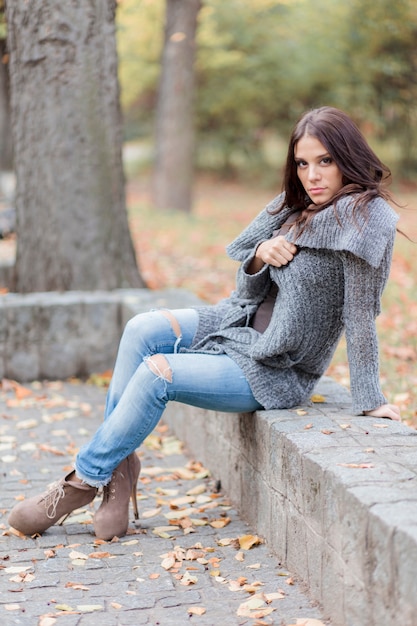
(327, 160)
(301, 163)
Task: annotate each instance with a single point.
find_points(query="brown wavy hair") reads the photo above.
(364, 175)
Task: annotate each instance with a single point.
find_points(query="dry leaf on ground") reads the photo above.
(247, 542)
(196, 610)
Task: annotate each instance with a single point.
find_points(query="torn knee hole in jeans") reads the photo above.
(160, 366)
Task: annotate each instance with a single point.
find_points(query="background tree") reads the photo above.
(260, 63)
(6, 149)
(71, 219)
(174, 162)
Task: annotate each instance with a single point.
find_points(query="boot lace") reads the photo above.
(52, 499)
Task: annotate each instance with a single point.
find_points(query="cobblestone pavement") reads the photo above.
(186, 561)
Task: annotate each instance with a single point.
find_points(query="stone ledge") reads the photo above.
(350, 532)
(75, 333)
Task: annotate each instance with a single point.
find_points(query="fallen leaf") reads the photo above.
(89, 608)
(197, 490)
(166, 492)
(63, 607)
(150, 513)
(176, 515)
(12, 607)
(357, 465)
(318, 398)
(168, 562)
(254, 608)
(183, 472)
(164, 531)
(100, 555)
(196, 610)
(174, 504)
(235, 586)
(253, 587)
(49, 554)
(74, 555)
(45, 448)
(198, 522)
(17, 569)
(308, 426)
(327, 431)
(188, 579)
(46, 620)
(247, 542)
(26, 424)
(22, 577)
(77, 586)
(192, 554)
(220, 523)
(308, 621)
(277, 595)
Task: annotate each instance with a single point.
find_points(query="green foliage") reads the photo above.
(261, 63)
(140, 31)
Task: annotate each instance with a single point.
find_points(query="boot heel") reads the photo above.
(134, 498)
(112, 518)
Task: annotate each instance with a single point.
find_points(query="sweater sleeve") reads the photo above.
(363, 289)
(252, 287)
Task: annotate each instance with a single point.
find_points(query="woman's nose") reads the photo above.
(313, 173)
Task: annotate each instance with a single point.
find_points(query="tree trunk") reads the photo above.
(174, 164)
(6, 149)
(72, 228)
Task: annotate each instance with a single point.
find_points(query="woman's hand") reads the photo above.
(276, 251)
(386, 410)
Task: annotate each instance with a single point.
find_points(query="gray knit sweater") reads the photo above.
(333, 284)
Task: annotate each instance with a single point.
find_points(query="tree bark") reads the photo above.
(174, 163)
(72, 228)
(6, 145)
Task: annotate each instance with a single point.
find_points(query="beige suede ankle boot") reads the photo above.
(112, 518)
(36, 514)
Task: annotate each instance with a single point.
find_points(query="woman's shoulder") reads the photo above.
(377, 210)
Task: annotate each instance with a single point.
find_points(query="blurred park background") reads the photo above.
(252, 67)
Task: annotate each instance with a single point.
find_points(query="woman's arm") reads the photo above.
(363, 289)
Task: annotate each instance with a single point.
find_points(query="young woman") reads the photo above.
(313, 264)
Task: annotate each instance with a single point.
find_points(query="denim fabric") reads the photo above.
(137, 396)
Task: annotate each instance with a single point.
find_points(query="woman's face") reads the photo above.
(318, 173)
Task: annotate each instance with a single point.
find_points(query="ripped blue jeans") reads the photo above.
(149, 371)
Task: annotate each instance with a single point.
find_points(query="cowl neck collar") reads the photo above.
(363, 233)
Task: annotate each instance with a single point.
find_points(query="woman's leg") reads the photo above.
(203, 380)
(161, 331)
